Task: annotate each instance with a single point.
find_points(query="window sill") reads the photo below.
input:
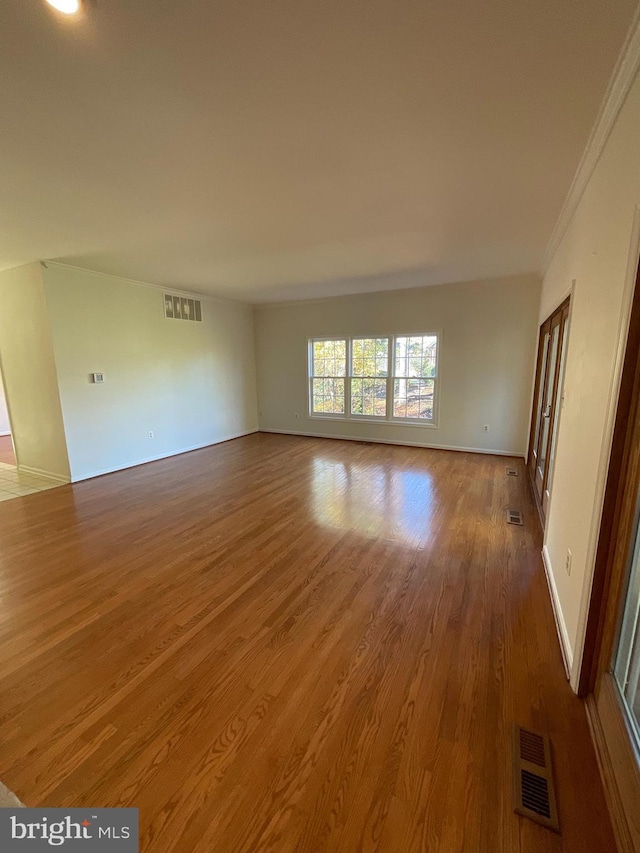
(385, 421)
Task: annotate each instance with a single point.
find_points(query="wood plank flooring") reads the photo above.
(290, 644)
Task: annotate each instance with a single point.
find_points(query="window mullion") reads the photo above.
(347, 379)
(390, 377)
(436, 399)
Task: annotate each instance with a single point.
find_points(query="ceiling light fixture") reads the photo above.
(67, 7)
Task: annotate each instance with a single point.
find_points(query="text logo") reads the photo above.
(80, 830)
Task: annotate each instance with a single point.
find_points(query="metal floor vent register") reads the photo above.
(533, 787)
(514, 516)
(512, 472)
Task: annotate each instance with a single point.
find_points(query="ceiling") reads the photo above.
(294, 149)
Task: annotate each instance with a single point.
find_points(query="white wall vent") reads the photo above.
(181, 308)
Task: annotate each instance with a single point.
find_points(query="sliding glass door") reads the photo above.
(627, 660)
(610, 670)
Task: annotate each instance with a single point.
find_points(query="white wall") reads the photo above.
(29, 373)
(192, 384)
(488, 339)
(5, 426)
(599, 251)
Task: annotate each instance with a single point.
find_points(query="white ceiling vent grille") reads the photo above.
(181, 308)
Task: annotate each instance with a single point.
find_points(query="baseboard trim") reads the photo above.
(146, 461)
(429, 446)
(5, 433)
(561, 628)
(48, 475)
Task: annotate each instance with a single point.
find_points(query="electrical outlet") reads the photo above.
(567, 562)
(151, 434)
(486, 427)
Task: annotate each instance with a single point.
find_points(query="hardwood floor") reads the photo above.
(289, 644)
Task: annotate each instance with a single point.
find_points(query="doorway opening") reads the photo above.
(14, 483)
(7, 451)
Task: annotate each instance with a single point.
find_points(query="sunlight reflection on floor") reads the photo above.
(373, 499)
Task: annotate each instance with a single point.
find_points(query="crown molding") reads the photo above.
(621, 80)
(190, 294)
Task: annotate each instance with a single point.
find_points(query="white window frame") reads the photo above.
(310, 377)
(351, 376)
(389, 418)
(433, 423)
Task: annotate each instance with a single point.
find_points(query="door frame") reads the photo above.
(3, 388)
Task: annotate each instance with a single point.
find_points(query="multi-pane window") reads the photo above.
(369, 369)
(386, 378)
(415, 367)
(328, 372)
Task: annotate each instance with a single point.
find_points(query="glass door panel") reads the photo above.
(627, 660)
(552, 344)
(547, 408)
(539, 395)
(564, 337)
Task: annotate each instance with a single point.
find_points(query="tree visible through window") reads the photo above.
(415, 371)
(369, 364)
(329, 369)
